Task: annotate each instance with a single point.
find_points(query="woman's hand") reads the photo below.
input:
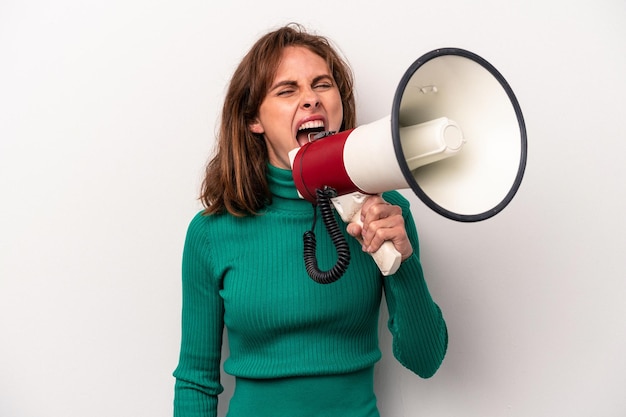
(381, 222)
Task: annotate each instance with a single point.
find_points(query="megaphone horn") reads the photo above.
(455, 136)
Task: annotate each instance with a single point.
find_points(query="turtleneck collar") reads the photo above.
(281, 183)
(284, 192)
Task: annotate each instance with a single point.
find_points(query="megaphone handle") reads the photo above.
(387, 256)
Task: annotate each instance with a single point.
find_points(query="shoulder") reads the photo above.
(203, 231)
(203, 224)
(218, 225)
(199, 221)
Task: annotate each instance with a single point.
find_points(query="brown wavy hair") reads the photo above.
(235, 178)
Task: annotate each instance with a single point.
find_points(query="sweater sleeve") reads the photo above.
(198, 372)
(420, 337)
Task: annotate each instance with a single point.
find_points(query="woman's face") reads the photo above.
(302, 99)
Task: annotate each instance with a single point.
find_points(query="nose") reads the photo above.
(310, 100)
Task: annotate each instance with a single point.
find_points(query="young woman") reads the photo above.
(297, 348)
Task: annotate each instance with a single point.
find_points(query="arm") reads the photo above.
(198, 372)
(420, 337)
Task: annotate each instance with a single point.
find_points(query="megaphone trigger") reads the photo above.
(348, 206)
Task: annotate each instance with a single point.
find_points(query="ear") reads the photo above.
(256, 127)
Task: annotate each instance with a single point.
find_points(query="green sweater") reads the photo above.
(248, 275)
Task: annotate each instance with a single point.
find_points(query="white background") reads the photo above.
(108, 111)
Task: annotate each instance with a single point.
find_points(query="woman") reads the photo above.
(297, 348)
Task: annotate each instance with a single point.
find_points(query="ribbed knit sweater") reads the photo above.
(248, 274)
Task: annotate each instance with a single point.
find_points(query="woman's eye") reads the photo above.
(323, 86)
(285, 92)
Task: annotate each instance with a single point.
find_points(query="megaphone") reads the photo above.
(455, 136)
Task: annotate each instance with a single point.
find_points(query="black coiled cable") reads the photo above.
(343, 251)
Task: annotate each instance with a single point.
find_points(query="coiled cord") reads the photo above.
(310, 244)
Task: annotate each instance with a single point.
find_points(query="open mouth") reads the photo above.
(308, 130)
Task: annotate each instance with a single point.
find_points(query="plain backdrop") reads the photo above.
(108, 111)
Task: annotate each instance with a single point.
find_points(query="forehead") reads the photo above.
(300, 62)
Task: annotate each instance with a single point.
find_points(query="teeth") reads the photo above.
(312, 125)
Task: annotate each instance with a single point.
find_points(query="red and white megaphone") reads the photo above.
(455, 136)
